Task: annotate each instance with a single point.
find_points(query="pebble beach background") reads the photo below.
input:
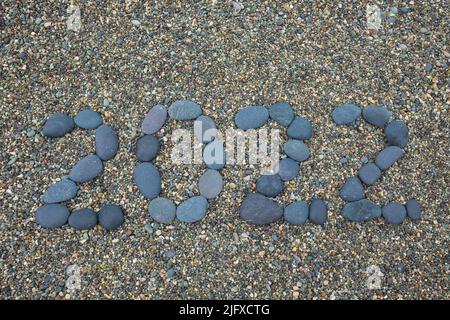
(129, 56)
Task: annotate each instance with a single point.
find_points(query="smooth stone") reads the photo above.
(346, 113)
(296, 150)
(62, 191)
(396, 133)
(251, 117)
(394, 213)
(260, 210)
(288, 169)
(300, 129)
(361, 210)
(369, 173)
(282, 113)
(184, 110)
(210, 184)
(269, 185)
(154, 120)
(318, 211)
(111, 217)
(376, 115)
(388, 156)
(106, 142)
(192, 210)
(214, 155)
(205, 129)
(413, 209)
(352, 190)
(148, 180)
(88, 119)
(297, 212)
(162, 210)
(52, 215)
(83, 219)
(147, 148)
(58, 125)
(86, 169)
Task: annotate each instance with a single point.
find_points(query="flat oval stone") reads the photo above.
(260, 210)
(184, 110)
(88, 119)
(251, 117)
(62, 191)
(162, 210)
(147, 148)
(282, 113)
(388, 156)
(396, 133)
(288, 169)
(205, 129)
(106, 142)
(296, 150)
(83, 219)
(300, 129)
(52, 215)
(148, 180)
(210, 184)
(346, 113)
(369, 173)
(214, 155)
(269, 185)
(297, 212)
(154, 120)
(58, 125)
(192, 210)
(318, 211)
(376, 115)
(413, 209)
(352, 190)
(110, 217)
(394, 213)
(361, 210)
(86, 169)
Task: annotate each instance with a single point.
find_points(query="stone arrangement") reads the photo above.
(148, 179)
(53, 213)
(258, 208)
(357, 207)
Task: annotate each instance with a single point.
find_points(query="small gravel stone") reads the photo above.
(205, 125)
(192, 210)
(260, 210)
(270, 185)
(296, 150)
(58, 125)
(288, 169)
(61, 191)
(88, 119)
(106, 142)
(210, 184)
(361, 210)
(147, 148)
(184, 110)
(214, 155)
(251, 117)
(111, 217)
(376, 115)
(388, 156)
(31, 133)
(297, 212)
(83, 219)
(346, 114)
(86, 169)
(352, 190)
(162, 210)
(397, 133)
(300, 129)
(369, 173)
(52, 215)
(154, 120)
(282, 113)
(148, 180)
(318, 211)
(394, 213)
(413, 209)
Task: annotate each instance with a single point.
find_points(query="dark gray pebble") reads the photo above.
(214, 155)
(111, 217)
(147, 148)
(394, 213)
(346, 114)
(297, 212)
(260, 210)
(318, 211)
(106, 142)
(396, 133)
(361, 210)
(148, 180)
(52, 215)
(83, 219)
(192, 210)
(288, 169)
(205, 129)
(162, 210)
(62, 191)
(86, 169)
(251, 117)
(376, 115)
(154, 120)
(300, 129)
(210, 184)
(388, 156)
(270, 185)
(413, 209)
(296, 150)
(369, 173)
(352, 190)
(58, 125)
(88, 119)
(184, 110)
(282, 113)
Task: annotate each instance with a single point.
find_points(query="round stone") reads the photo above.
(148, 180)
(288, 169)
(282, 113)
(260, 210)
(352, 190)
(297, 212)
(396, 133)
(205, 129)
(270, 185)
(394, 213)
(62, 191)
(361, 210)
(192, 210)
(111, 217)
(162, 210)
(52, 216)
(296, 150)
(88, 119)
(214, 155)
(346, 114)
(210, 184)
(369, 173)
(251, 117)
(300, 129)
(413, 209)
(154, 120)
(388, 156)
(184, 110)
(376, 115)
(58, 125)
(106, 142)
(86, 169)
(83, 219)
(318, 211)
(147, 148)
